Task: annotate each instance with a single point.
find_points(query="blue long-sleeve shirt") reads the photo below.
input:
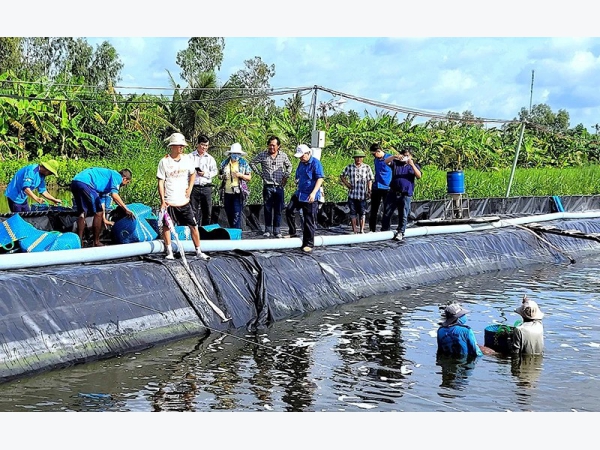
(457, 340)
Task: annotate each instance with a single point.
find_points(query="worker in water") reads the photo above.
(455, 337)
(528, 338)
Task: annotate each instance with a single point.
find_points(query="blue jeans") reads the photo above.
(396, 201)
(233, 209)
(273, 206)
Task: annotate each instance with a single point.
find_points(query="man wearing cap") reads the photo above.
(309, 177)
(454, 337)
(234, 172)
(89, 188)
(27, 180)
(176, 175)
(404, 173)
(528, 338)
(274, 167)
(206, 168)
(358, 178)
(381, 184)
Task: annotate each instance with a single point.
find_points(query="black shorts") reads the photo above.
(182, 215)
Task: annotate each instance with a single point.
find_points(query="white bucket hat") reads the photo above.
(176, 139)
(235, 149)
(529, 310)
(301, 150)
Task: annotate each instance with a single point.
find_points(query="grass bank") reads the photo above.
(432, 186)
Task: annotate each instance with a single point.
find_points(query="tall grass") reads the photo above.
(432, 186)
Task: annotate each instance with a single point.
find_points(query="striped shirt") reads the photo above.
(272, 170)
(359, 178)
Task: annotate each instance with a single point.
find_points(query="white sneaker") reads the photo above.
(169, 256)
(279, 236)
(399, 237)
(203, 256)
(266, 234)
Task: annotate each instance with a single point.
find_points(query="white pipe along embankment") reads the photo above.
(112, 252)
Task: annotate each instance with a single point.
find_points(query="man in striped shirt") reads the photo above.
(358, 178)
(274, 167)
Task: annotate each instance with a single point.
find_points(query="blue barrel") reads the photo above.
(456, 182)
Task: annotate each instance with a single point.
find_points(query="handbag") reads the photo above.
(245, 191)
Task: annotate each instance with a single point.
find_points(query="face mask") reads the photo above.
(235, 157)
(462, 320)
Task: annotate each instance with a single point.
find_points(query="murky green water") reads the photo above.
(378, 354)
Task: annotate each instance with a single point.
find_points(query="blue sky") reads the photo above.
(425, 62)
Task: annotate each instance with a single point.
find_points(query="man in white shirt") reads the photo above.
(202, 191)
(176, 175)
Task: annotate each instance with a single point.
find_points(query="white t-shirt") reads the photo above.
(176, 175)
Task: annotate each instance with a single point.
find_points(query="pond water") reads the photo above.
(378, 354)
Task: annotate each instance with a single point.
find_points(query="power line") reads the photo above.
(246, 93)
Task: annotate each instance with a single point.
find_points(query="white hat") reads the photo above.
(529, 310)
(176, 139)
(235, 149)
(301, 150)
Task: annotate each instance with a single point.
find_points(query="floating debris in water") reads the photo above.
(363, 405)
(95, 396)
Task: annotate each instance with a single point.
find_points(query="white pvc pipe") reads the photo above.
(112, 252)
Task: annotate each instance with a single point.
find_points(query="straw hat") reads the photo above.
(236, 149)
(453, 312)
(529, 310)
(176, 139)
(52, 166)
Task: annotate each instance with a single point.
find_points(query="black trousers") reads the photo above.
(309, 212)
(377, 198)
(201, 201)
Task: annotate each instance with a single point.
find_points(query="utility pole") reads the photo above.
(514, 166)
(313, 105)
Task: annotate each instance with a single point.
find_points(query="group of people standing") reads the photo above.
(392, 185)
(186, 186)
(198, 169)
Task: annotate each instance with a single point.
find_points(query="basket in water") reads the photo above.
(499, 337)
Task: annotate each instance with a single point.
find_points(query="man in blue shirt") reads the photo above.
(381, 185)
(27, 180)
(404, 173)
(309, 178)
(88, 188)
(454, 337)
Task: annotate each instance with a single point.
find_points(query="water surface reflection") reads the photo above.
(378, 354)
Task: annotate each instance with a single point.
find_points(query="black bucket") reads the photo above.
(499, 338)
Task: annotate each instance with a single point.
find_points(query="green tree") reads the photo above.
(254, 79)
(10, 54)
(203, 54)
(106, 66)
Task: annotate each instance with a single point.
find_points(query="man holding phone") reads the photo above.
(206, 169)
